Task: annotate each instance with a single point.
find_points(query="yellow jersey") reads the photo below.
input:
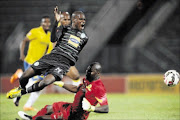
(39, 41)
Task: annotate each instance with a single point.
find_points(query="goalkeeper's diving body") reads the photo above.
(70, 42)
(88, 95)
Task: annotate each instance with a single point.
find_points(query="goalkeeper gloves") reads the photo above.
(59, 83)
(87, 106)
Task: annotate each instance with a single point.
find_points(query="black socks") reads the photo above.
(35, 87)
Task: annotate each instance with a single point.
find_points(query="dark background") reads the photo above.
(160, 53)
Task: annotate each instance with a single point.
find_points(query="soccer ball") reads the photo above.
(171, 78)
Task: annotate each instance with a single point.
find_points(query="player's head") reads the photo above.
(78, 20)
(65, 19)
(45, 22)
(93, 71)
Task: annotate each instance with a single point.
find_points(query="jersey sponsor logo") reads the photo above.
(74, 41)
(36, 63)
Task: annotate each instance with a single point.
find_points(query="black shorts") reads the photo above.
(54, 64)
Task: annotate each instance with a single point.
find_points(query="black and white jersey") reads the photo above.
(70, 41)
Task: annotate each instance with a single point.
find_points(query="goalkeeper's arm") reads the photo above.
(102, 109)
(69, 87)
(88, 107)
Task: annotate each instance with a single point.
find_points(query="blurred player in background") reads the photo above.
(39, 42)
(88, 95)
(139, 4)
(70, 42)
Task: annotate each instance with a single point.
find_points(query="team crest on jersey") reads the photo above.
(83, 35)
(74, 41)
(99, 100)
(36, 63)
(89, 87)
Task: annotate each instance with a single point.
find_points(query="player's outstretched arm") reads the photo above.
(57, 15)
(102, 109)
(53, 33)
(69, 87)
(88, 107)
(22, 47)
(45, 117)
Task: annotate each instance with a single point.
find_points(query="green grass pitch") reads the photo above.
(122, 106)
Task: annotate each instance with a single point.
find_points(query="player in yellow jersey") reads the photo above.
(39, 42)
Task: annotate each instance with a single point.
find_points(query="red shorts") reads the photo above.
(61, 109)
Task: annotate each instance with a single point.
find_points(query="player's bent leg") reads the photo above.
(17, 92)
(74, 75)
(42, 112)
(49, 109)
(49, 79)
(16, 75)
(16, 101)
(23, 80)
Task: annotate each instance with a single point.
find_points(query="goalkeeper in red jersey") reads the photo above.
(88, 95)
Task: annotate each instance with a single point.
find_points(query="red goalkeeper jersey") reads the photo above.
(95, 93)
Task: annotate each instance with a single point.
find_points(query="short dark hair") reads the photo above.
(65, 13)
(97, 66)
(76, 13)
(46, 16)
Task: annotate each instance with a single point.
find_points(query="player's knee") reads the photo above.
(75, 77)
(49, 109)
(44, 83)
(47, 81)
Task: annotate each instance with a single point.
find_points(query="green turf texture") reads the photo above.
(122, 106)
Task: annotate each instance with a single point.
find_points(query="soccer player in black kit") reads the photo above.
(70, 41)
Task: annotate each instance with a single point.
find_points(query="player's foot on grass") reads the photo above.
(24, 115)
(16, 101)
(16, 92)
(16, 76)
(29, 109)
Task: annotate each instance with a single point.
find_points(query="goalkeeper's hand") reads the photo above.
(87, 106)
(59, 83)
